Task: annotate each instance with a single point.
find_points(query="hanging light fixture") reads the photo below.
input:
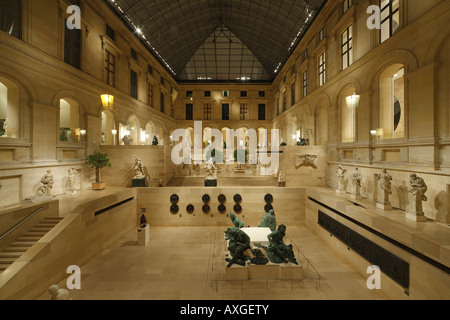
(107, 101)
(353, 101)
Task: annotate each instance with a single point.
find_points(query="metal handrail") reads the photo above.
(20, 223)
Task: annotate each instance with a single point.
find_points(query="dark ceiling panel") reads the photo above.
(175, 30)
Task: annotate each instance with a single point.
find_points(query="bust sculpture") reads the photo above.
(278, 251)
(58, 294)
(417, 190)
(384, 190)
(268, 220)
(340, 172)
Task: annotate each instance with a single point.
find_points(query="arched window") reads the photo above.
(108, 128)
(9, 109)
(392, 103)
(348, 112)
(150, 132)
(69, 121)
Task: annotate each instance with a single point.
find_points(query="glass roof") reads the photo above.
(219, 40)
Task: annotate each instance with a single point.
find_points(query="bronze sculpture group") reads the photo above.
(241, 251)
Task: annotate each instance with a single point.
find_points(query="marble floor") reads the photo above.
(176, 265)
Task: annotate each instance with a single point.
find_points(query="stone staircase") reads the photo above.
(26, 241)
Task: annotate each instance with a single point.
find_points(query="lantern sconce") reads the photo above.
(107, 101)
(353, 101)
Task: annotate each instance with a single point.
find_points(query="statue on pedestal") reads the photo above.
(269, 221)
(278, 251)
(340, 172)
(139, 178)
(155, 141)
(417, 190)
(239, 242)
(356, 178)
(47, 182)
(384, 190)
(211, 174)
(71, 180)
(143, 221)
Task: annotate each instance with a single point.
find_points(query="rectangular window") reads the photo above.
(189, 94)
(162, 107)
(347, 48)
(322, 69)
(390, 18)
(284, 100)
(243, 111)
(305, 83)
(150, 94)
(207, 93)
(110, 32)
(322, 34)
(243, 94)
(133, 54)
(150, 69)
(189, 111)
(346, 4)
(72, 47)
(305, 54)
(225, 111)
(10, 21)
(225, 94)
(292, 94)
(133, 84)
(207, 111)
(261, 112)
(110, 61)
(262, 94)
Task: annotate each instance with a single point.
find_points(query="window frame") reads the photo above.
(347, 47)
(110, 74)
(389, 18)
(207, 108)
(321, 62)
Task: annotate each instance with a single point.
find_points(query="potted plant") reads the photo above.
(97, 161)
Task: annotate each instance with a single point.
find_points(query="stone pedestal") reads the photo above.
(415, 212)
(270, 271)
(282, 184)
(138, 183)
(144, 236)
(383, 201)
(210, 183)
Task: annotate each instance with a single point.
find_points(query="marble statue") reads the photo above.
(340, 172)
(384, 190)
(417, 190)
(269, 221)
(280, 176)
(211, 170)
(58, 294)
(236, 221)
(239, 243)
(278, 251)
(138, 169)
(71, 180)
(127, 140)
(47, 182)
(355, 179)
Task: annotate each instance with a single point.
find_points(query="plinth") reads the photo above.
(144, 236)
(210, 183)
(138, 183)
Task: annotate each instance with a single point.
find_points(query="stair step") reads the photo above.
(41, 230)
(29, 239)
(14, 254)
(22, 244)
(44, 226)
(17, 249)
(7, 260)
(4, 266)
(34, 234)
